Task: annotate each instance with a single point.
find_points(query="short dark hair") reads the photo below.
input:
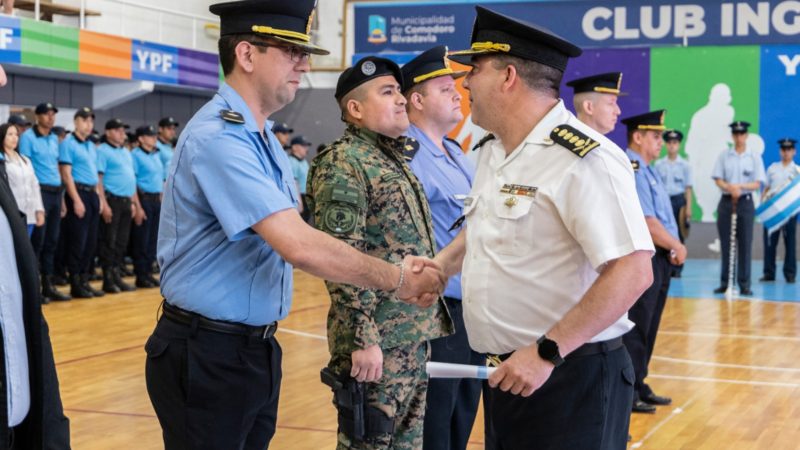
(227, 49)
(537, 76)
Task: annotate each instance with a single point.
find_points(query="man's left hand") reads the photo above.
(522, 373)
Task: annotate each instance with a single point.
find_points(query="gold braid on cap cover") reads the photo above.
(278, 32)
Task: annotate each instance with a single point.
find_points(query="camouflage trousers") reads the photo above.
(400, 393)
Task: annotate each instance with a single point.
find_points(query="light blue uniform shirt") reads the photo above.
(165, 152)
(43, 153)
(300, 172)
(149, 170)
(116, 165)
(225, 178)
(676, 175)
(447, 181)
(82, 155)
(652, 195)
(18, 391)
(735, 168)
(778, 175)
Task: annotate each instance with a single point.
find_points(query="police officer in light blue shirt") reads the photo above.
(298, 150)
(676, 174)
(117, 189)
(739, 173)
(40, 144)
(230, 234)
(77, 159)
(167, 130)
(149, 181)
(644, 145)
(779, 175)
(434, 109)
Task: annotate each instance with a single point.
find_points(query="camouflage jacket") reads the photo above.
(362, 192)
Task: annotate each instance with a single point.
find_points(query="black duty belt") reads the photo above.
(85, 187)
(187, 318)
(150, 197)
(741, 197)
(53, 189)
(590, 348)
(109, 195)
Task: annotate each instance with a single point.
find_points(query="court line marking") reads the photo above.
(673, 414)
(302, 333)
(728, 365)
(96, 355)
(725, 380)
(732, 336)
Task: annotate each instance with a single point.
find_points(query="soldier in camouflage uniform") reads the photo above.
(362, 192)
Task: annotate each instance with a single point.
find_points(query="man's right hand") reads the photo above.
(78, 208)
(107, 214)
(735, 191)
(424, 281)
(367, 364)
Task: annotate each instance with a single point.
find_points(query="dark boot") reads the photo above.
(142, 281)
(60, 280)
(77, 289)
(153, 280)
(88, 287)
(109, 287)
(49, 292)
(123, 286)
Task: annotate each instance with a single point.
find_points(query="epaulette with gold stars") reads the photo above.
(573, 140)
(635, 165)
(485, 139)
(231, 116)
(410, 148)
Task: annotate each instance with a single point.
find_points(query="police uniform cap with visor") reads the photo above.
(19, 120)
(116, 123)
(430, 64)
(85, 112)
(282, 128)
(44, 108)
(299, 140)
(739, 127)
(673, 135)
(365, 69)
(286, 21)
(653, 120)
(787, 143)
(496, 34)
(168, 122)
(146, 130)
(604, 83)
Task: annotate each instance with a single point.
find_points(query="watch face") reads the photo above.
(548, 350)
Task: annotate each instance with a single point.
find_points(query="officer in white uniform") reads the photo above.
(556, 249)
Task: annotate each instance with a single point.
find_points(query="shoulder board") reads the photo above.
(485, 139)
(635, 165)
(410, 148)
(231, 116)
(573, 140)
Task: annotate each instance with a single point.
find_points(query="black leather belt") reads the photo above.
(85, 187)
(741, 197)
(150, 197)
(53, 189)
(590, 348)
(109, 195)
(662, 252)
(187, 318)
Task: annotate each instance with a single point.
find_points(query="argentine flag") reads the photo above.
(781, 207)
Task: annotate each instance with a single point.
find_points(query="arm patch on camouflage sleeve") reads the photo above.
(341, 206)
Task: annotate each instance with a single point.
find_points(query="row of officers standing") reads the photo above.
(555, 234)
(85, 199)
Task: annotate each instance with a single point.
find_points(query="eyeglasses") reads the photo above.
(296, 54)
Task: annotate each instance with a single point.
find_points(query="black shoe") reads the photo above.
(642, 407)
(49, 292)
(60, 280)
(746, 291)
(676, 275)
(77, 289)
(721, 290)
(44, 300)
(126, 272)
(88, 287)
(154, 281)
(108, 281)
(790, 279)
(653, 399)
(143, 282)
(766, 278)
(123, 286)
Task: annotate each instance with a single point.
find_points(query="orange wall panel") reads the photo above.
(104, 55)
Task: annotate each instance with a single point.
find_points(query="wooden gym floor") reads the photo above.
(732, 369)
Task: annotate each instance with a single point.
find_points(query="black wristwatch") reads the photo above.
(548, 350)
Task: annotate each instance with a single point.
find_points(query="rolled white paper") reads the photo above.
(449, 370)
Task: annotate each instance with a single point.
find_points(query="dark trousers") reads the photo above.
(45, 237)
(789, 231)
(678, 202)
(585, 404)
(212, 390)
(646, 315)
(81, 233)
(744, 237)
(114, 235)
(55, 423)
(452, 403)
(144, 237)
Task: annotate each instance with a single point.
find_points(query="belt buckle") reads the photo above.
(268, 333)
